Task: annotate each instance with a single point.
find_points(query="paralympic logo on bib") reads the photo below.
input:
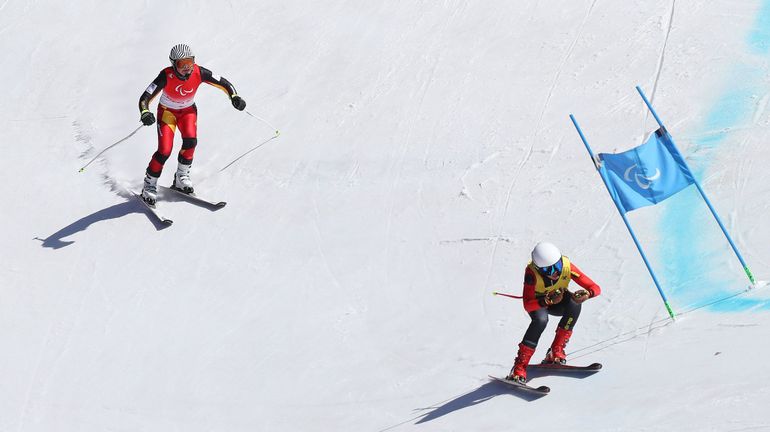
(182, 91)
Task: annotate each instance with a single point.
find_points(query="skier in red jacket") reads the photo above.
(177, 109)
(545, 293)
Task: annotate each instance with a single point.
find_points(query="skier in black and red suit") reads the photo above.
(177, 109)
(545, 293)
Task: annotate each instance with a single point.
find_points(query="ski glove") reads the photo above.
(580, 296)
(238, 102)
(554, 297)
(147, 118)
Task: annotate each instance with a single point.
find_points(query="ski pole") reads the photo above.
(113, 145)
(506, 295)
(277, 132)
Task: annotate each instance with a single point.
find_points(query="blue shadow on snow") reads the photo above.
(56, 240)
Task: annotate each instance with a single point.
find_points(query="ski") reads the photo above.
(594, 367)
(542, 390)
(162, 219)
(195, 198)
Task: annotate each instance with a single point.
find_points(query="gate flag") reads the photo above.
(647, 174)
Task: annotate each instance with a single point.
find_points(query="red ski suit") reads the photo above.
(177, 110)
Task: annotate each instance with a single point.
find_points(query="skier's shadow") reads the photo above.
(482, 394)
(56, 240)
(493, 388)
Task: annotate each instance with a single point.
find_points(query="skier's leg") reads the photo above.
(188, 128)
(528, 344)
(536, 327)
(570, 311)
(166, 128)
(188, 125)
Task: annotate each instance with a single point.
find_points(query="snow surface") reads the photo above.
(424, 148)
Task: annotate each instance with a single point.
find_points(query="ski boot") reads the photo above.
(182, 180)
(150, 190)
(556, 353)
(519, 370)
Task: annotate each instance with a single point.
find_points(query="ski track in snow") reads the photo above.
(560, 68)
(465, 191)
(661, 58)
(414, 119)
(528, 154)
(320, 238)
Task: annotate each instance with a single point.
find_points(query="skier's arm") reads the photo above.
(155, 87)
(584, 281)
(223, 84)
(531, 302)
(217, 81)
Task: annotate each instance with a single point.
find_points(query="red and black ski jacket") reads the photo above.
(180, 93)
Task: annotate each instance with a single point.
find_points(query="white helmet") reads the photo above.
(545, 254)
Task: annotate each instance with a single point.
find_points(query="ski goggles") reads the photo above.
(185, 64)
(552, 270)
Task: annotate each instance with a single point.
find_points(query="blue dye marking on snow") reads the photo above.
(742, 304)
(692, 241)
(759, 37)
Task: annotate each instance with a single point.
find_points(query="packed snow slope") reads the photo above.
(424, 148)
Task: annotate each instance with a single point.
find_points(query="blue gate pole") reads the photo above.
(623, 215)
(700, 189)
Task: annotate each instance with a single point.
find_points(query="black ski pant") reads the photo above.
(567, 309)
